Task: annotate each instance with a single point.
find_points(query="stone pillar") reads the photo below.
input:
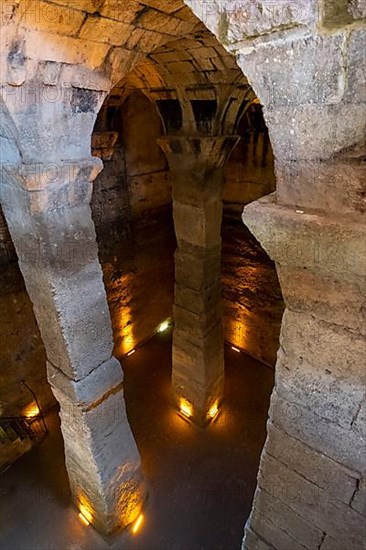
(48, 214)
(311, 489)
(197, 178)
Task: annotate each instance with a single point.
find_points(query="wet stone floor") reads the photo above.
(201, 483)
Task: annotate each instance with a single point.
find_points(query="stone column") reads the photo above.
(311, 478)
(197, 178)
(48, 214)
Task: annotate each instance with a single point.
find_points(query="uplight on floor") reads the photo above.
(235, 349)
(212, 413)
(186, 408)
(131, 352)
(137, 525)
(163, 326)
(85, 515)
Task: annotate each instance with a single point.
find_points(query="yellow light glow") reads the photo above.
(235, 349)
(214, 410)
(163, 326)
(83, 519)
(137, 524)
(31, 411)
(131, 352)
(186, 408)
(85, 515)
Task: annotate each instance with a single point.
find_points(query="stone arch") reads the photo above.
(282, 50)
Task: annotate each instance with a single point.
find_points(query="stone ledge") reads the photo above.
(312, 240)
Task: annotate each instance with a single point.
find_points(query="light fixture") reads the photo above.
(85, 515)
(163, 326)
(235, 349)
(32, 411)
(131, 352)
(213, 410)
(137, 524)
(186, 408)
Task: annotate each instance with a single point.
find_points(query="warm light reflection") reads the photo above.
(85, 515)
(31, 411)
(131, 352)
(186, 408)
(137, 524)
(163, 326)
(235, 349)
(214, 410)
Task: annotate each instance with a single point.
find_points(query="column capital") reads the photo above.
(182, 151)
(46, 185)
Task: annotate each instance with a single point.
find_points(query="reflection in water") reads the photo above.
(138, 268)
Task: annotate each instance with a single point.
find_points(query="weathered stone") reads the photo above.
(284, 519)
(278, 536)
(50, 17)
(105, 30)
(316, 467)
(358, 502)
(253, 542)
(313, 369)
(357, 8)
(316, 242)
(330, 300)
(235, 21)
(310, 502)
(94, 387)
(102, 461)
(65, 49)
(310, 185)
(319, 433)
(198, 226)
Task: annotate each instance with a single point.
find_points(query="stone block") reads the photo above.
(153, 20)
(50, 17)
(90, 6)
(100, 29)
(235, 22)
(356, 67)
(322, 244)
(359, 499)
(304, 184)
(329, 299)
(105, 379)
(344, 445)
(278, 537)
(327, 474)
(198, 226)
(196, 267)
(253, 542)
(121, 11)
(310, 502)
(197, 324)
(312, 368)
(357, 8)
(197, 302)
(282, 517)
(163, 5)
(331, 543)
(102, 461)
(202, 363)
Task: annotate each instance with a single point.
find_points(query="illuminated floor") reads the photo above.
(200, 483)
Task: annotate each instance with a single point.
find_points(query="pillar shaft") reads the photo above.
(313, 466)
(48, 214)
(198, 360)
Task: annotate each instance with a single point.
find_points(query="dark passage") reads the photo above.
(201, 483)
